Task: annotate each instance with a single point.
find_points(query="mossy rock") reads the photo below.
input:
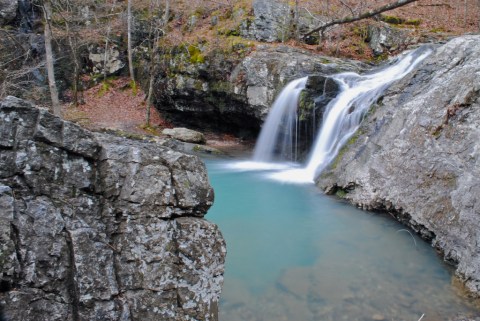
(392, 20)
(413, 22)
(196, 56)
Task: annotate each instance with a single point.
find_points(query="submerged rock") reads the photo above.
(96, 227)
(417, 155)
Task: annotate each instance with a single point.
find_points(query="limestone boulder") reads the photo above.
(417, 155)
(98, 227)
(185, 135)
(384, 38)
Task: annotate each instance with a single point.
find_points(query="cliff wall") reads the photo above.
(417, 155)
(96, 227)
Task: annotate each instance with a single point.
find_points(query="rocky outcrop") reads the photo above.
(384, 39)
(8, 11)
(270, 23)
(101, 62)
(235, 96)
(96, 227)
(417, 155)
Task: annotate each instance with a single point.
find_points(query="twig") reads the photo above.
(421, 317)
(415, 242)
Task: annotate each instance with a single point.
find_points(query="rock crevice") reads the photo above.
(96, 227)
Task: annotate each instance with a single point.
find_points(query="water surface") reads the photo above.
(295, 254)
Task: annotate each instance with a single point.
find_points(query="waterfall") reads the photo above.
(283, 115)
(341, 119)
(343, 114)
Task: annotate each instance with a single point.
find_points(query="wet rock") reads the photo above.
(185, 135)
(418, 155)
(97, 227)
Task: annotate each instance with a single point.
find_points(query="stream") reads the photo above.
(296, 254)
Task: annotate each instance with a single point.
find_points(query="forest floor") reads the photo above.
(116, 107)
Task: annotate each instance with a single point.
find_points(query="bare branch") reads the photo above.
(362, 16)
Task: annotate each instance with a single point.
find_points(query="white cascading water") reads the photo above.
(341, 118)
(283, 113)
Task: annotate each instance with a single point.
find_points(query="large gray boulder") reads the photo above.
(418, 155)
(271, 21)
(96, 227)
(8, 11)
(384, 39)
(109, 62)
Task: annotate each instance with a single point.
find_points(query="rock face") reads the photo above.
(8, 11)
(271, 21)
(417, 155)
(383, 38)
(95, 227)
(109, 63)
(236, 96)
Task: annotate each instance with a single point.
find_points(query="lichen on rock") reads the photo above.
(97, 227)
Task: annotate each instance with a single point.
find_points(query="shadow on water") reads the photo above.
(296, 254)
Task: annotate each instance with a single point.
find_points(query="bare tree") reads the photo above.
(47, 12)
(129, 41)
(360, 16)
(66, 11)
(156, 30)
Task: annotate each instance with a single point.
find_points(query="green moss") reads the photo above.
(380, 58)
(134, 87)
(437, 30)
(360, 31)
(392, 20)
(106, 86)
(341, 193)
(413, 22)
(345, 147)
(305, 105)
(196, 56)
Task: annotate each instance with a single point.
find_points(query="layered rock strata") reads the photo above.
(95, 227)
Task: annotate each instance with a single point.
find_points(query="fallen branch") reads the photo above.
(365, 15)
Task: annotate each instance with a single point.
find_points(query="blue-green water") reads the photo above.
(295, 254)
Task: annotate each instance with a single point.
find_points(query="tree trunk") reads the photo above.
(129, 41)
(72, 42)
(153, 59)
(56, 108)
(297, 21)
(149, 99)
